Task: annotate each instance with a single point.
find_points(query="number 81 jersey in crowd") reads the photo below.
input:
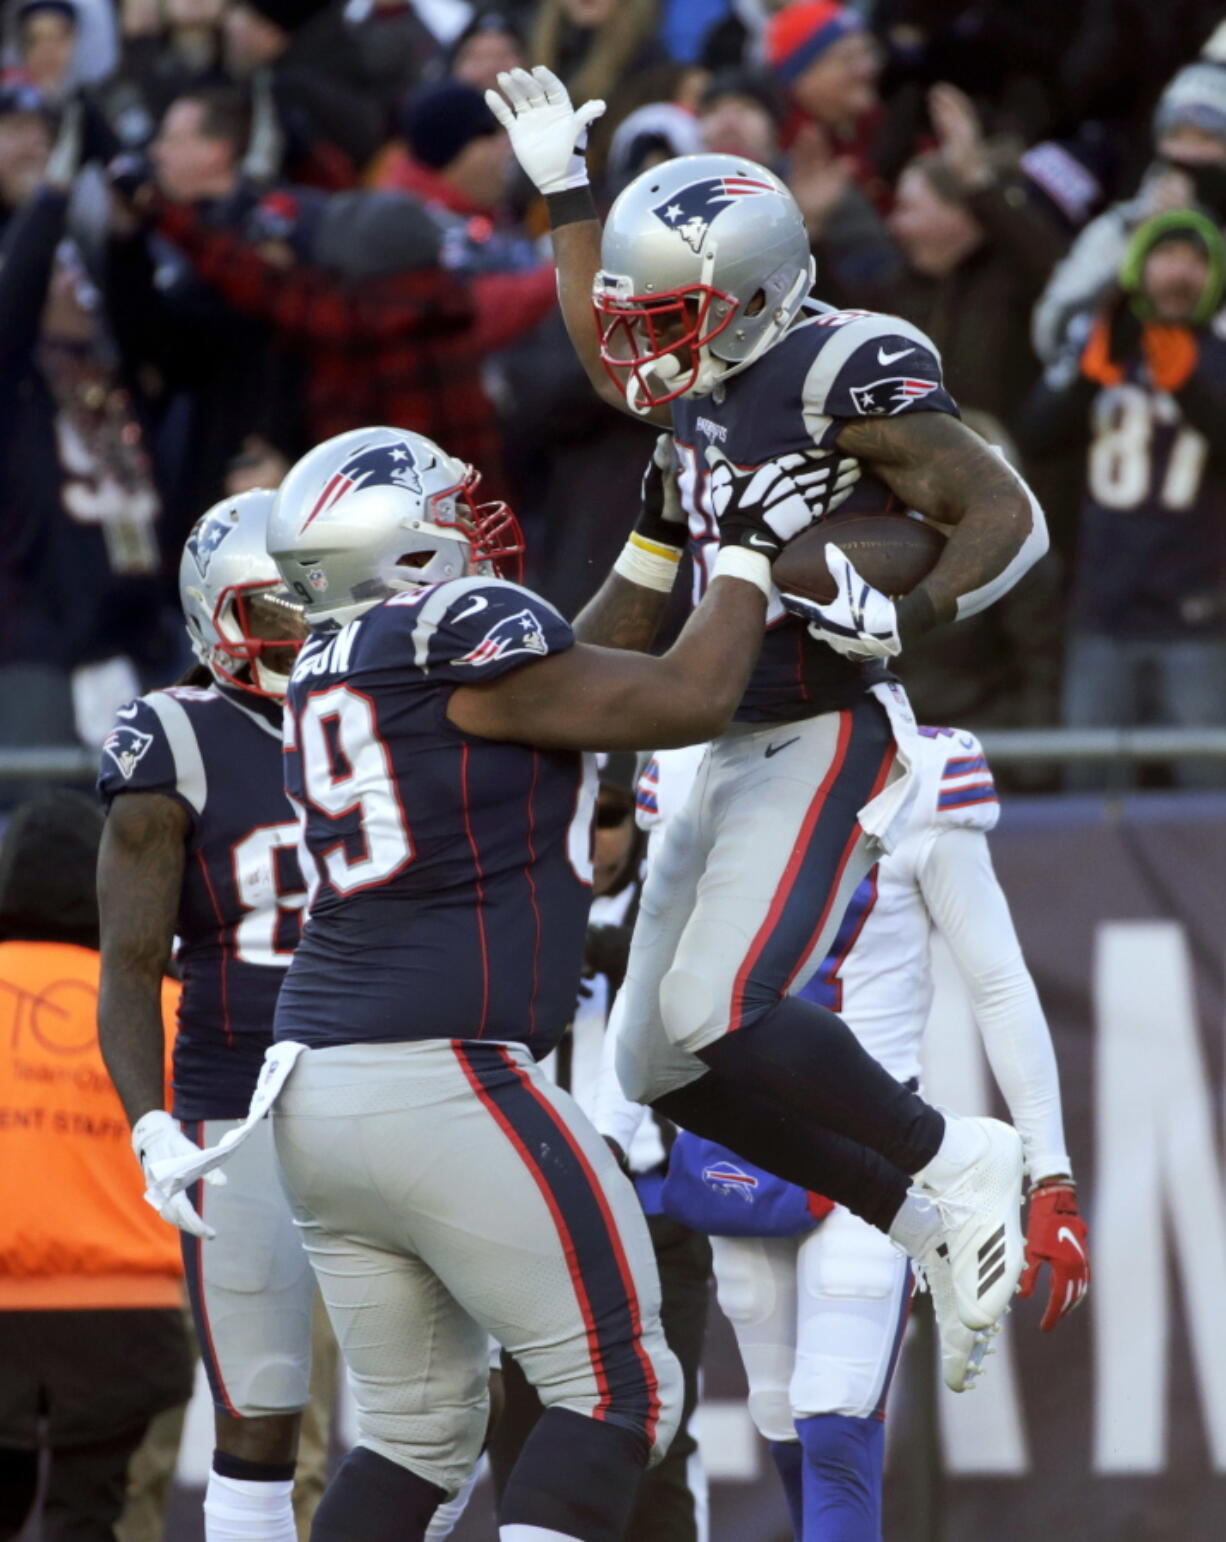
(218, 754)
(450, 875)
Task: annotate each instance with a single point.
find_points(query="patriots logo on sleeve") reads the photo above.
(885, 397)
(127, 747)
(520, 633)
(691, 211)
(374, 465)
(207, 537)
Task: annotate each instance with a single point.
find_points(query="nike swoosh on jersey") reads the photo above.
(474, 608)
(126, 711)
(889, 358)
(773, 749)
(1065, 1232)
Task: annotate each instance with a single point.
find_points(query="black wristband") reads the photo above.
(571, 206)
(916, 614)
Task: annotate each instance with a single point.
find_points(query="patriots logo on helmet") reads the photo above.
(127, 747)
(207, 537)
(691, 211)
(885, 397)
(520, 633)
(727, 1178)
(374, 465)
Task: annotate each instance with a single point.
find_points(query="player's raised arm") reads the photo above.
(549, 137)
(935, 464)
(596, 699)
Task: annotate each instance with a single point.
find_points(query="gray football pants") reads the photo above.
(744, 896)
(447, 1192)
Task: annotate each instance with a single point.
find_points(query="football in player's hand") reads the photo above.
(893, 552)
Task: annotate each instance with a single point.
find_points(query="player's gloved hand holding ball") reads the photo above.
(860, 622)
(160, 1144)
(1056, 1236)
(547, 133)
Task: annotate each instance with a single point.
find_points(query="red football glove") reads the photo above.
(1056, 1235)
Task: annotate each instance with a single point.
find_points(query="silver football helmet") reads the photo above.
(245, 625)
(377, 511)
(705, 262)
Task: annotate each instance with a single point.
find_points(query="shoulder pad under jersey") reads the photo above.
(153, 748)
(869, 365)
(467, 629)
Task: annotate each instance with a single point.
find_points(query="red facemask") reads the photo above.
(252, 650)
(638, 331)
(492, 530)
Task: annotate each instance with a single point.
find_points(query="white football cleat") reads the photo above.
(980, 1209)
(962, 1351)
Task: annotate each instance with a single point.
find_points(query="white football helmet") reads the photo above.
(244, 624)
(377, 511)
(705, 263)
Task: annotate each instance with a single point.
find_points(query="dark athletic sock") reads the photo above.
(373, 1500)
(576, 1476)
(790, 1146)
(805, 1058)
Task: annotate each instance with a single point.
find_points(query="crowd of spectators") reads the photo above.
(229, 228)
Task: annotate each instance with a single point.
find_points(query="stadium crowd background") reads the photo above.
(228, 230)
(231, 229)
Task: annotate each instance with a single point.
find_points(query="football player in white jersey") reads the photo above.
(819, 1304)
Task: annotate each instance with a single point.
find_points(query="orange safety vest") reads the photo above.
(75, 1232)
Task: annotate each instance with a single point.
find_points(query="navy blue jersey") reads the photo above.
(832, 368)
(218, 753)
(1152, 552)
(449, 875)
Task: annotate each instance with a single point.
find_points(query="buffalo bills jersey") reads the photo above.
(218, 753)
(449, 875)
(832, 368)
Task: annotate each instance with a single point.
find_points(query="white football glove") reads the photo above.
(860, 622)
(160, 1144)
(547, 133)
(760, 507)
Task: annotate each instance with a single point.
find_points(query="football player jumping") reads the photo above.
(201, 843)
(693, 309)
(444, 1189)
(819, 1306)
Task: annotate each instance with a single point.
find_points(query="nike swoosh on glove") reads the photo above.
(159, 1143)
(860, 622)
(1056, 1236)
(548, 134)
(759, 507)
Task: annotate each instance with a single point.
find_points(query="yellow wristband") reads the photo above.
(650, 564)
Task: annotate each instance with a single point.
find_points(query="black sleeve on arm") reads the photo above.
(25, 272)
(1203, 399)
(1056, 414)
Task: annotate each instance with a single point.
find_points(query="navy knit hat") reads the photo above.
(439, 122)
